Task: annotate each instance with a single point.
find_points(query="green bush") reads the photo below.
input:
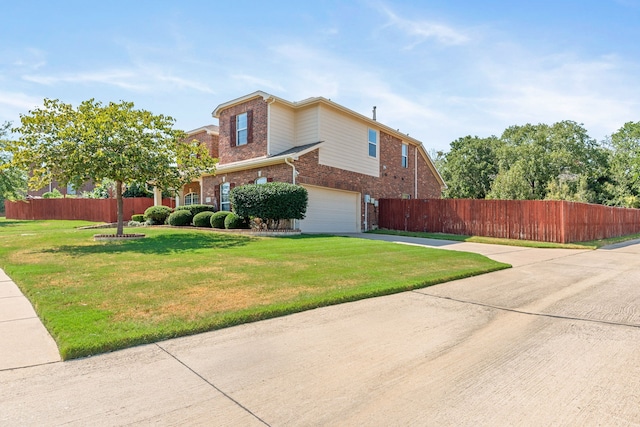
(233, 221)
(203, 219)
(55, 194)
(180, 218)
(217, 219)
(137, 217)
(272, 202)
(157, 215)
(196, 209)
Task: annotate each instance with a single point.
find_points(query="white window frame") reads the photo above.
(405, 156)
(261, 180)
(225, 202)
(242, 133)
(190, 197)
(373, 144)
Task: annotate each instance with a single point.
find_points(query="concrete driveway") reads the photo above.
(553, 341)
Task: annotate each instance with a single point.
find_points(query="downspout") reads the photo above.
(294, 172)
(415, 171)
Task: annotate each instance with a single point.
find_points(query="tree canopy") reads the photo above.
(558, 161)
(98, 141)
(13, 181)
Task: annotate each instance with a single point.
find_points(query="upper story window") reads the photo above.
(373, 143)
(405, 156)
(241, 128)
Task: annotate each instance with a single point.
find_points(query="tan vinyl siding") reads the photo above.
(307, 126)
(281, 128)
(346, 144)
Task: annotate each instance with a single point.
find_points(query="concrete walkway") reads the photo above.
(24, 341)
(552, 341)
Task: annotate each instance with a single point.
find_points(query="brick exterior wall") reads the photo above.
(258, 146)
(394, 180)
(209, 140)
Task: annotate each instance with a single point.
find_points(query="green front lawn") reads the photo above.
(96, 296)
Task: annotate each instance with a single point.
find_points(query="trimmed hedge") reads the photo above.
(137, 217)
(181, 218)
(217, 219)
(233, 221)
(196, 209)
(203, 219)
(157, 215)
(272, 201)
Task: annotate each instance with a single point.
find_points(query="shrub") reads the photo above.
(217, 219)
(133, 223)
(180, 218)
(157, 215)
(203, 219)
(55, 194)
(273, 201)
(196, 209)
(137, 217)
(233, 221)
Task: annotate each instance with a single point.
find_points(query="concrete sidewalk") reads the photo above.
(517, 256)
(24, 341)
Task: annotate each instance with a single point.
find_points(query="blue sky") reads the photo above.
(438, 69)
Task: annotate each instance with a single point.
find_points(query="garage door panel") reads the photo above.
(331, 211)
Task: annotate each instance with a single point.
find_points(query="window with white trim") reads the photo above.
(373, 143)
(242, 128)
(405, 156)
(191, 199)
(225, 203)
(261, 180)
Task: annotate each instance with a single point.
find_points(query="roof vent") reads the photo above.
(374, 112)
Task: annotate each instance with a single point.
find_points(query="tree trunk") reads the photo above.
(120, 204)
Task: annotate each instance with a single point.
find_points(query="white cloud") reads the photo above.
(138, 79)
(12, 104)
(420, 30)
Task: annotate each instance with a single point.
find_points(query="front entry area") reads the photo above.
(331, 211)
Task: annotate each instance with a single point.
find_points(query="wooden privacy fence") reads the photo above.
(540, 220)
(99, 210)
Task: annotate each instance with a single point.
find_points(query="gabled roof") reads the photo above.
(210, 129)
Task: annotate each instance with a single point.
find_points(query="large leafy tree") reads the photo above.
(538, 160)
(98, 141)
(625, 166)
(13, 181)
(470, 167)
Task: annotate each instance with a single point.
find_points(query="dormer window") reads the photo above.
(373, 143)
(241, 133)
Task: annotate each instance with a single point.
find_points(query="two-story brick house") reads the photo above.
(345, 160)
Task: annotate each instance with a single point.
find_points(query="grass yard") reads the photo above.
(96, 297)
(595, 244)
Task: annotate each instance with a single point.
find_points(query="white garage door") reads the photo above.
(331, 211)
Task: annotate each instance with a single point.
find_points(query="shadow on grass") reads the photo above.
(161, 244)
(10, 223)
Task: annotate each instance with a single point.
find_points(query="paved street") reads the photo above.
(553, 341)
